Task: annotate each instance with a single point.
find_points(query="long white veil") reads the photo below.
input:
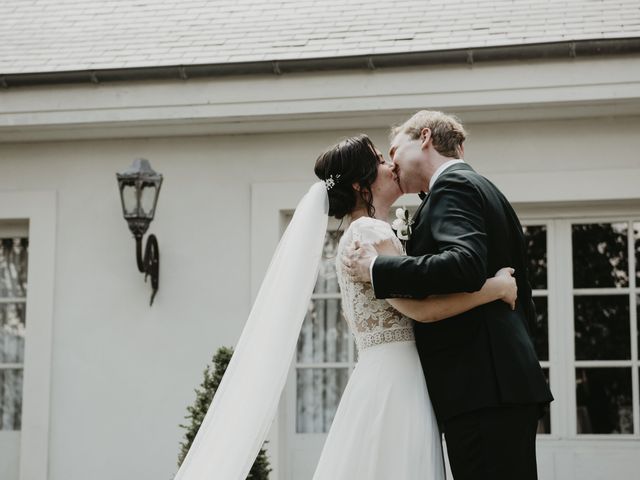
(245, 404)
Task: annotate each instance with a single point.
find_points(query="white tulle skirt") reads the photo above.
(384, 428)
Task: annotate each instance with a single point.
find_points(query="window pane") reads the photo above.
(130, 199)
(318, 395)
(536, 244)
(147, 199)
(544, 424)
(603, 397)
(13, 267)
(600, 255)
(324, 336)
(12, 328)
(327, 281)
(541, 334)
(10, 399)
(602, 328)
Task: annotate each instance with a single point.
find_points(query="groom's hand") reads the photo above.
(357, 260)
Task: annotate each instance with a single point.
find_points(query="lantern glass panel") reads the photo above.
(148, 199)
(129, 199)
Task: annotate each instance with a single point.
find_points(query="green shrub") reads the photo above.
(260, 469)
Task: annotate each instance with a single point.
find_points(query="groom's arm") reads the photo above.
(458, 227)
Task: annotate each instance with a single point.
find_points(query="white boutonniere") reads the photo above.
(403, 225)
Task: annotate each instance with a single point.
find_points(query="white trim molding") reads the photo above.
(270, 204)
(322, 100)
(39, 209)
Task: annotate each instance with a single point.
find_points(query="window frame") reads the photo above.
(561, 217)
(561, 363)
(38, 209)
(631, 291)
(551, 293)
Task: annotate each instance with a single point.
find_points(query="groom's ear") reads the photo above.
(425, 137)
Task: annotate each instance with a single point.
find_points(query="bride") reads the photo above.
(384, 427)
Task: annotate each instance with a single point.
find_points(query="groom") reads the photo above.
(486, 385)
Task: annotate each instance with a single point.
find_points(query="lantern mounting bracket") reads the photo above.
(149, 264)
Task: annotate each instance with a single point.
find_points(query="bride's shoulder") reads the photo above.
(364, 228)
(370, 222)
(365, 222)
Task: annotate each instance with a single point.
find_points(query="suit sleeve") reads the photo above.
(458, 227)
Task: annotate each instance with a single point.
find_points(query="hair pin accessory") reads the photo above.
(331, 181)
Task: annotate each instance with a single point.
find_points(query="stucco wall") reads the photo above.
(123, 373)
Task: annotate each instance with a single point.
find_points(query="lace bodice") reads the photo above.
(371, 321)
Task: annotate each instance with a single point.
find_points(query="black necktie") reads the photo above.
(422, 195)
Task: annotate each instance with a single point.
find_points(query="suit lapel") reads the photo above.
(452, 168)
(416, 216)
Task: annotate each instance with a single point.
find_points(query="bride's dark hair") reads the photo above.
(355, 160)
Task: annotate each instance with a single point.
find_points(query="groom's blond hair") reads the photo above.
(447, 131)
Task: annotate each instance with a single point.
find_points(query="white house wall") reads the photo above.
(122, 373)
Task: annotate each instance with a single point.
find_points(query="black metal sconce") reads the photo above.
(139, 190)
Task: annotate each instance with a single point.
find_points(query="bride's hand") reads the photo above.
(387, 247)
(506, 286)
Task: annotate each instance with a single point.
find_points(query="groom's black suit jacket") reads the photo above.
(464, 231)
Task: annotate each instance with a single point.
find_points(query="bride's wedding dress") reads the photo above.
(384, 427)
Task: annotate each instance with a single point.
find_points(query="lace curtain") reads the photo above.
(13, 290)
(324, 354)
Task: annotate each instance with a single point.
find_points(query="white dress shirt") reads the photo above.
(439, 171)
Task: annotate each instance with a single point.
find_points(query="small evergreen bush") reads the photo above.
(204, 395)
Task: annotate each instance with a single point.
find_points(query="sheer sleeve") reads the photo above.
(371, 230)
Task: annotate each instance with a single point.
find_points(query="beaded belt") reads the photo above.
(391, 335)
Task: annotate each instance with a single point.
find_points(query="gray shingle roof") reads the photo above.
(67, 35)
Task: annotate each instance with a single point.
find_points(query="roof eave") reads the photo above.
(555, 50)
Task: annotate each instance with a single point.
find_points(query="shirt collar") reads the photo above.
(441, 169)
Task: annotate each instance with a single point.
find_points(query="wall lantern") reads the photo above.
(139, 190)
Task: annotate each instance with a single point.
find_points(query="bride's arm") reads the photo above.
(438, 307)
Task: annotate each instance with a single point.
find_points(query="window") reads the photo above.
(325, 353)
(585, 276)
(13, 291)
(27, 232)
(605, 311)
